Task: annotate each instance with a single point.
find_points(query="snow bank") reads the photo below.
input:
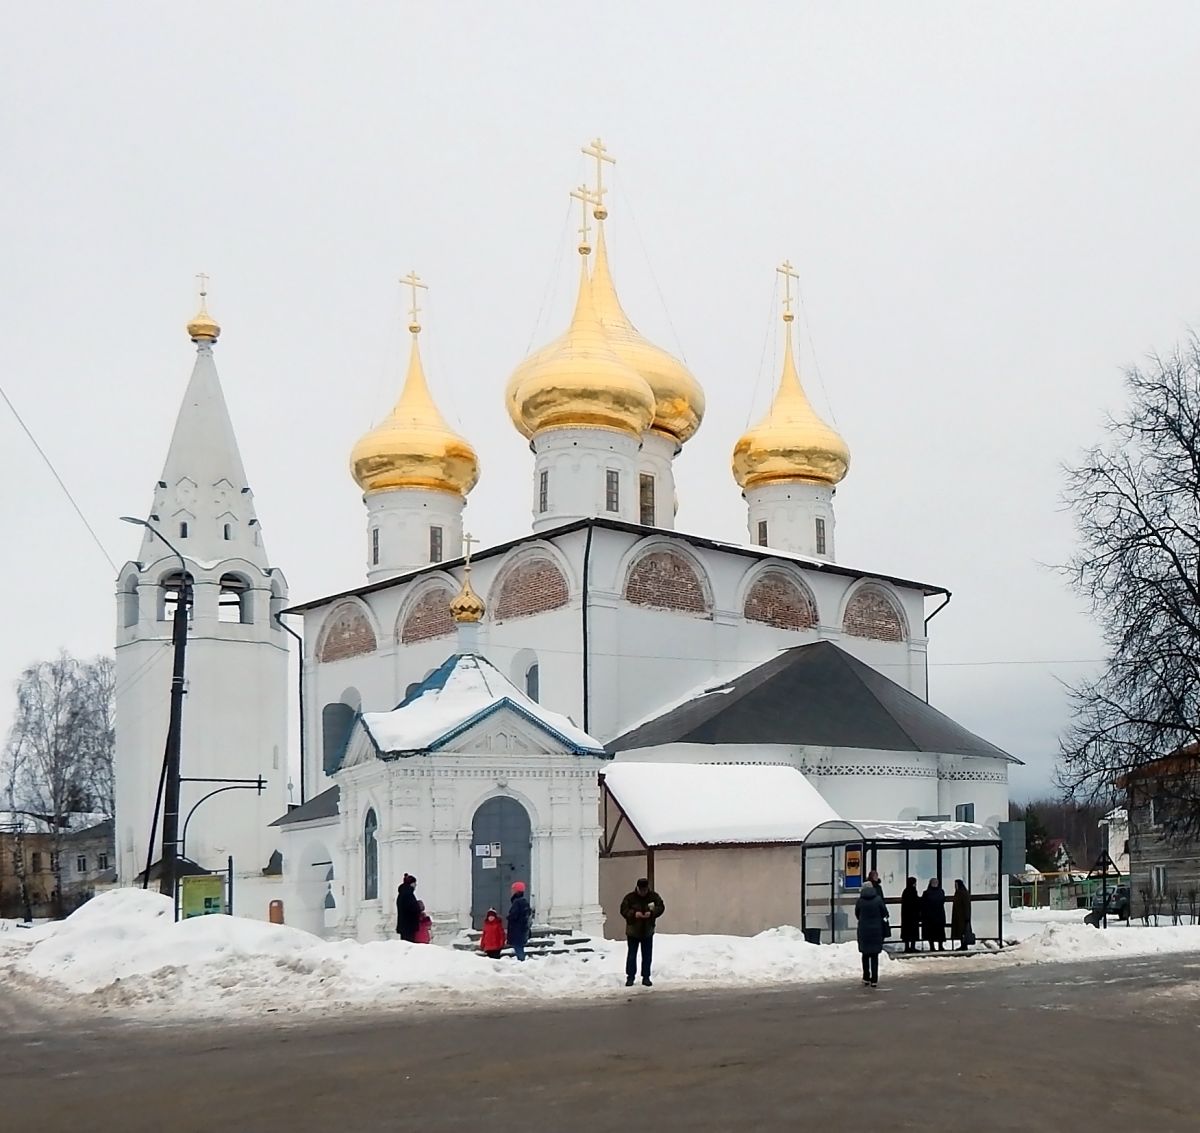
(124, 950)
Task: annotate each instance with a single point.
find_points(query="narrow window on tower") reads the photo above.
(435, 544)
(612, 490)
(228, 533)
(544, 491)
(820, 536)
(374, 546)
(762, 532)
(183, 529)
(646, 499)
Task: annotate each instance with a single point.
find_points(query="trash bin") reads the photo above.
(275, 912)
(812, 936)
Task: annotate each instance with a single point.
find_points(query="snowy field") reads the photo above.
(122, 951)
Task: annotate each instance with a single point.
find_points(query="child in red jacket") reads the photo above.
(493, 935)
(424, 926)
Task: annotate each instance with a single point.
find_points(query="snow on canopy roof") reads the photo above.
(843, 830)
(676, 804)
(462, 691)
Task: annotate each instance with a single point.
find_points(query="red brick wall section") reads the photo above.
(666, 581)
(429, 616)
(346, 633)
(530, 587)
(779, 601)
(871, 613)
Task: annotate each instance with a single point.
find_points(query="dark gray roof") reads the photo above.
(324, 805)
(817, 695)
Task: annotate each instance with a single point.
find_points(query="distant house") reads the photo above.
(28, 882)
(1162, 861)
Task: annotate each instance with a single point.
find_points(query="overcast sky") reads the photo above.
(992, 209)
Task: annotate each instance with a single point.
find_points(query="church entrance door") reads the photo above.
(501, 851)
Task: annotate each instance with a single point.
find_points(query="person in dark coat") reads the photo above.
(874, 878)
(408, 909)
(960, 915)
(520, 919)
(933, 915)
(910, 915)
(640, 910)
(869, 911)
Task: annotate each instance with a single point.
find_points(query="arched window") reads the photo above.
(532, 682)
(170, 594)
(227, 531)
(371, 857)
(872, 613)
(129, 602)
(337, 723)
(235, 602)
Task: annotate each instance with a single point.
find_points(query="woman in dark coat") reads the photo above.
(520, 915)
(870, 911)
(933, 915)
(960, 915)
(408, 910)
(910, 915)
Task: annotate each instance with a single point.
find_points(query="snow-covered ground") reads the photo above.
(123, 950)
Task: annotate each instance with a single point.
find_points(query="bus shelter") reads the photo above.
(838, 855)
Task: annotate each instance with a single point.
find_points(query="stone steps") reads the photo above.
(544, 940)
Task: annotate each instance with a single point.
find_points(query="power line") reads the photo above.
(54, 473)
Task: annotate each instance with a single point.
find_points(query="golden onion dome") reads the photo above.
(678, 398)
(203, 325)
(466, 605)
(791, 442)
(413, 447)
(579, 381)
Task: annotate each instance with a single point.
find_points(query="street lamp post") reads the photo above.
(169, 786)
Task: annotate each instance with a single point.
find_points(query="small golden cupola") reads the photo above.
(203, 327)
(791, 443)
(413, 447)
(579, 381)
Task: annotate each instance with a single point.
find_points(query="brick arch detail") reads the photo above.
(776, 598)
(347, 632)
(665, 579)
(426, 616)
(530, 585)
(872, 612)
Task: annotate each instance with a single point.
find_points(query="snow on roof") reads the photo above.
(843, 830)
(464, 690)
(671, 804)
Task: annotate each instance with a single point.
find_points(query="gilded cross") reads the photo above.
(203, 279)
(595, 149)
(585, 197)
(414, 281)
(789, 273)
(468, 539)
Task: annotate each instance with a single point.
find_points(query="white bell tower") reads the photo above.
(235, 708)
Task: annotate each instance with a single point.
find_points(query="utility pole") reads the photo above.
(169, 862)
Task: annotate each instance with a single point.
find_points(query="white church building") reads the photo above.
(457, 711)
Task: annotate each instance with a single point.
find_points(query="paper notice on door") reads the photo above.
(483, 850)
(489, 863)
(495, 849)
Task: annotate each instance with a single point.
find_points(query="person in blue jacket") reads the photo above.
(520, 917)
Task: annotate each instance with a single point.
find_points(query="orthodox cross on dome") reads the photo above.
(468, 539)
(413, 281)
(202, 279)
(595, 149)
(789, 273)
(585, 197)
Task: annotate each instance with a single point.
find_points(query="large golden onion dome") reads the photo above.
(791, 442)
(678, 398)
(579, 381)
(413, 447)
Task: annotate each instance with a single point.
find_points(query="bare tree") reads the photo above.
(59, 753)
(1136, 502)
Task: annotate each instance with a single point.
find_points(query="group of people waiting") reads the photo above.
(513, 930)
(922, 917)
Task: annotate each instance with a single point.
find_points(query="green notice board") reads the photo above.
(202, 895)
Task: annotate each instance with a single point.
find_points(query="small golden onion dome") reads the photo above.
(678, 398)
(579, 381)
(791, 442)
(413, 447)
(466, 605)
(203, 325)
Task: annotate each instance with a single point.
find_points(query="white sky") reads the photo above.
(992, 209)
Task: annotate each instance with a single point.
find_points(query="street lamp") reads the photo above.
(170, 770)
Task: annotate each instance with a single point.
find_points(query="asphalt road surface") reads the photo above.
(951, 1047)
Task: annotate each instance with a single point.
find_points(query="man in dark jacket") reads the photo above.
(870, 912)
(640, 910)
(960, 916)
(520, 918)
(408, 909)
(933, 915)
(910, 915)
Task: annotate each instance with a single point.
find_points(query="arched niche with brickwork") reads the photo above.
(664, 578)
(777, 598)
(347, 632)
(873, 613)
(531, 584)
(426, 615)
